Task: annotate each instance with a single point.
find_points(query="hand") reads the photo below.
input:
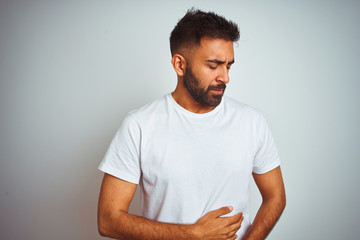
(213, 227)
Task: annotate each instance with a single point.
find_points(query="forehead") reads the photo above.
(214, 48)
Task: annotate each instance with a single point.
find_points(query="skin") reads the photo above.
(114, 220)
(210, 63)
(271, 187)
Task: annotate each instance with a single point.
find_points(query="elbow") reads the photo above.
(280, 199)
(104, 224)
(102, 232)
(102, 227)
(282, 202)
(277, 201)
(109, 225)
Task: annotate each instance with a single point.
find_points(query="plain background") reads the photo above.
(71, 70)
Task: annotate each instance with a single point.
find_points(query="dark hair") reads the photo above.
(197, 24)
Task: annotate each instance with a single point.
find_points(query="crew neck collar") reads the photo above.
(192, 114)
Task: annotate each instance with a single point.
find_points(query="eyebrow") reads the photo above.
(217, 61)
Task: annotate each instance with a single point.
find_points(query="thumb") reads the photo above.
(221, 211)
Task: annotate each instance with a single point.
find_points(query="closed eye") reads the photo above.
(219, 62)
(212, 67)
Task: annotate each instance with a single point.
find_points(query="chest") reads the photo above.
(196, 153)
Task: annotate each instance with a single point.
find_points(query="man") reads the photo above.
(193, 151)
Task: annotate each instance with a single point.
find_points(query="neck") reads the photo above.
(185, 100)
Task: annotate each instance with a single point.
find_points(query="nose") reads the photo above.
(223, 75)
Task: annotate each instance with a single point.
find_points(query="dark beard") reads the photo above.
(202, 95)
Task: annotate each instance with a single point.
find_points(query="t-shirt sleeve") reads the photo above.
(266, 157)
(122, 158)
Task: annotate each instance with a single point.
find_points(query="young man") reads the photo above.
(193, 151)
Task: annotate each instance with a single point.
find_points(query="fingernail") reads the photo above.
(230, 208)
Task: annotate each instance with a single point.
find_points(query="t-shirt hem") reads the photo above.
(118, 174)
(268, 167)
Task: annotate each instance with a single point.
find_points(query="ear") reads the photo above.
(179, 64)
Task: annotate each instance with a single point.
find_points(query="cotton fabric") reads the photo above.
(188, 164)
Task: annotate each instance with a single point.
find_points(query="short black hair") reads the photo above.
(197, 24)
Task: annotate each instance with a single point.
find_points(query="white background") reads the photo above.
(71, 70)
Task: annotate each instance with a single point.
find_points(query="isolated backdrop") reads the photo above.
(71, 70)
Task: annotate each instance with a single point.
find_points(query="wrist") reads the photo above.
(193, 232)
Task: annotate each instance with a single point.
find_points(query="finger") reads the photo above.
(221, 211)
(232, 233)
(234, 219)
(236, 226)
(239, 217)
(232, 238)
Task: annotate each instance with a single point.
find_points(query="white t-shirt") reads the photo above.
(188, 164)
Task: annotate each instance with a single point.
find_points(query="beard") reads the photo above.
(202, 95)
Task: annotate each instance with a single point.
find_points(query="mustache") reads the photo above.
(220, 86)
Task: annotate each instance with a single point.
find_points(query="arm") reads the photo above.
(114, 220)
(272, 190)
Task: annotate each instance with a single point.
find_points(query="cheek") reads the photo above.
(207, 77)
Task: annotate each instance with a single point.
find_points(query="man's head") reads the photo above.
(202, 49)
(197, 24)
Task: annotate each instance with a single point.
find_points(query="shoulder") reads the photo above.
(235, 107)
(155, 108)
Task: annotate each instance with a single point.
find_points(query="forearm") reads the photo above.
(266, 218)
(128, 226)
